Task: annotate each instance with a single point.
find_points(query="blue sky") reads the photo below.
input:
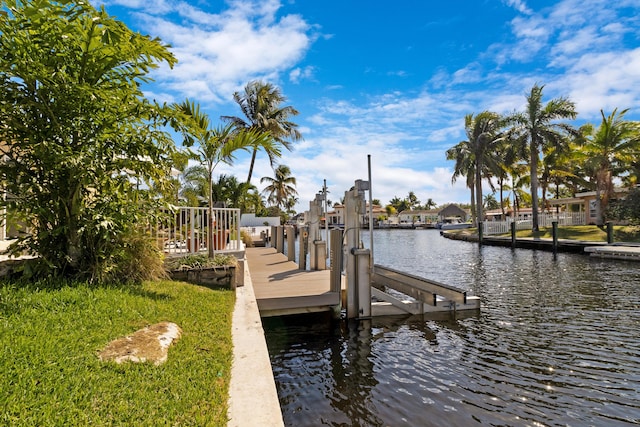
(393, 80)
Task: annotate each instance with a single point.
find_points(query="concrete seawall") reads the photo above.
(253, 398)
(564, 245)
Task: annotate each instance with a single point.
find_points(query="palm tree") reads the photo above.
(261, 105)
(461, 153)
(430, 204)
(399, 204)
(609, 150)
(215, 145)
(253, 201)
(508, 155)
(519, 180)
(412, 200)
(483, 136)
(290, 204)
(237, 193)
(195, 185)
(281, 187)
(490, 202)
(537, 128)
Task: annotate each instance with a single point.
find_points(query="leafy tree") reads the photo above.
(399, 204)
(537, 127)
(627, 209)
(391, 210)
(79, 134)
(610, 150)
(281, 187)
(261, 105)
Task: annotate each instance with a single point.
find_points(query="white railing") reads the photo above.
(525, 223)
(186, 230)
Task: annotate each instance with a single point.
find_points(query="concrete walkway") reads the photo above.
(253, 398)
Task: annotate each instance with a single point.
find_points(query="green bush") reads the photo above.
(246, 238)
(139, 260)
(627, 209)
(85, 153)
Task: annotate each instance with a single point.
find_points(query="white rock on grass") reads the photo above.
(150, 344)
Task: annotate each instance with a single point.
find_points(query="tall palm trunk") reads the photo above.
(501, 181)
(212, 223)
(253, 162)
(473, 205)
(479, 215)
(534, 184)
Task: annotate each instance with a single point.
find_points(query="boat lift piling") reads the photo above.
(317, 246)
(357, 259)
(291, 242)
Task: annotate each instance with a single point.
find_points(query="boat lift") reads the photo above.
(368, 285)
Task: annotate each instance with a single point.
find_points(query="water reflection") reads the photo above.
(556, 343)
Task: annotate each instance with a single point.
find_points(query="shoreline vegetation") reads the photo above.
(52, 332)
(588, 233)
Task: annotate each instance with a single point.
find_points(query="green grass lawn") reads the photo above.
(590, 233)
(50, 374)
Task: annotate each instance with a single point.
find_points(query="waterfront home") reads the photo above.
(453, 210)
(419, 217)
(336, 216)
(432, 216)
(584, 202)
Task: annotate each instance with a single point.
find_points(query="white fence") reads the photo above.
(186, 230)
(526, 223)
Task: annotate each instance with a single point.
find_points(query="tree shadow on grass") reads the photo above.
(55, 284)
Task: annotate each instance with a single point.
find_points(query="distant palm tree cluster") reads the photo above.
(538, 150)
(266, 126)
(411, 202)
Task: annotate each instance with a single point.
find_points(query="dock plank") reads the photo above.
(282, 288)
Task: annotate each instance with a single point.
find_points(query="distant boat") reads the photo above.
(453, 224)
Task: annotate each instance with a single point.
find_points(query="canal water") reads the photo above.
(556, 343)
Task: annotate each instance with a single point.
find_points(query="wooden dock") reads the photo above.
(614, 251)
(281, 288)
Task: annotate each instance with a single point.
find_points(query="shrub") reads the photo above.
(627, 209)
(246, 238)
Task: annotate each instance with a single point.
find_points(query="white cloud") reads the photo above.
(519, 5)
(605, 80)
(298, 74)
(219, 52)
(472, 73)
